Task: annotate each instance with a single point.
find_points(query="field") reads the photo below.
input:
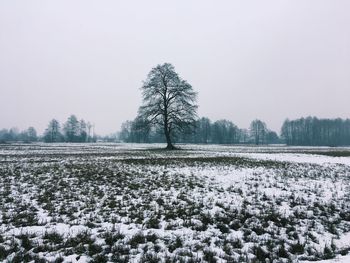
(138, 203)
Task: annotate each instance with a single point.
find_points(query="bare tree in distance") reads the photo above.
(32, 134)
(71, 129)
(168, 101)
(53, 132)
(258, 131)
(89, 127)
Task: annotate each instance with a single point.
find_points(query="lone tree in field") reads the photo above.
(168, 101)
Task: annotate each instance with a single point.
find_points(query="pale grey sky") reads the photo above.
(247, 59)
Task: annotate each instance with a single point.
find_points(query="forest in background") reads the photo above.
(73, 130)
(309, 131)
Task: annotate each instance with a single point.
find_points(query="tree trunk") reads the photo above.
(169, 146)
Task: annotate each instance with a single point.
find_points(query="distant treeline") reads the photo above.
(308, 131)
(73, 130)
(305, 131)
(202, 131)
(13, 134)
(316, 132)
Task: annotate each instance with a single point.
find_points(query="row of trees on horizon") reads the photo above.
(73, 130)
(303, 131)
(202, 131)
(316, 132)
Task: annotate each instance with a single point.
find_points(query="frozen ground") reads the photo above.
(137, 203)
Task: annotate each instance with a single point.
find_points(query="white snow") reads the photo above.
(84, 179)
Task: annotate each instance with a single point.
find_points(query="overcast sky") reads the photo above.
(246, 59)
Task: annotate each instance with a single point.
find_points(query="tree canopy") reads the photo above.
(168, 101)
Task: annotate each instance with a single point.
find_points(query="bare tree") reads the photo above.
(53, 132)
(32, 134)
(168, 101)
(258, 131)
(71, 129)
(82, 131)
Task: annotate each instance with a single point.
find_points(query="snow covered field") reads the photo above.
(137, 203)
